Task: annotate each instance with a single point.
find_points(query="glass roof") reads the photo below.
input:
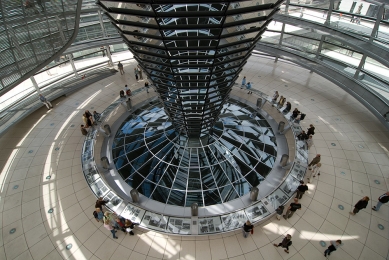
(171, 168)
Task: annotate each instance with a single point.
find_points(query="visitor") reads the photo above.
(248, 86)
(244, 83)
(314, 161)
(302, 136)
(96, 116)
(45, 101)
(83, 130)
(108, 226)
(286, 243)
(301, 189)
(247, 228)
(311, 130)
(384, 198)
(120, 67)
(136, 74)
(292, 208)
(280, 211)
(275, 97)
(287, 108)
(147, 86)
(361, 204)
(334, 245)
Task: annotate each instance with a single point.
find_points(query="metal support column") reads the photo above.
(330, 8)
(356, 75)
(35, 85)
(374, 32)
(282, 34)
(320, 46)
(287, 7)
(70, 57)
(102, 23)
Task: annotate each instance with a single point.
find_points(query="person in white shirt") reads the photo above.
(315, 170)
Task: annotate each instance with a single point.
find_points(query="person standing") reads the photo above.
(314, 161)
(45, 101)
(96, 116)
(309, 142)
(334, 245)
(140, 72)
(98, 214)
(120, 67)
(301, 189)
(279, 211)
(108, 226)
(83, 130)
(311, 130)
(100, 203)
(302, 136)
(129, 226)
(248, 86)
(247, 228)
(147, 86)
(275, 97)
(281, 102)
(292, 208)
(288, 107)
(286, 243)
(361, 204)
(244, 83)
(384, 198)
(136, 74)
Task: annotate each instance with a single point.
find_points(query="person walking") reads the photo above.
(301, 189)
(286, 243)
(334, 245)
(147, 86)
(45, 101)
(120, 67)
(315, 170)
(136, 74)
(279, 211)
(247, 228)
(314, 161)
(248, 86)
(108, 226)
(384, 198)
(292, 208)
(361, 204)
(244, 83)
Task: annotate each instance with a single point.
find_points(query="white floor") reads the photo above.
(350, 169)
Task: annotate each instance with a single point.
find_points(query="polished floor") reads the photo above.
(353, 144)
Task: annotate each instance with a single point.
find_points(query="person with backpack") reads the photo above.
(279, 211)
(384, 198)
(286, 243)
(361, 204)
(334, 245)
(301, 189)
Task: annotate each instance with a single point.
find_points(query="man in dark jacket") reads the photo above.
(362, 204)
(301, 189)
(314, 161)
(302, 136)
(384, 198)
(311, 130)
(292, 209)
(100, 203)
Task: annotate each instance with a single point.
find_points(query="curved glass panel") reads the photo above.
(170, 168)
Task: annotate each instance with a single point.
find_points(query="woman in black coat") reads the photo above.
(362, 204)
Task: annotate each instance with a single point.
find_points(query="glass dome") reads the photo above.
(170, 168)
